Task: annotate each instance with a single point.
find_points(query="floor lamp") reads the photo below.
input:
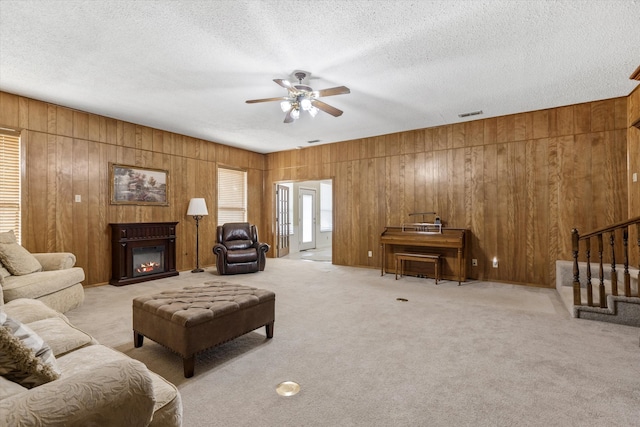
(197, 209)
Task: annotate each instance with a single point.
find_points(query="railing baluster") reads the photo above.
(627, 281)
(601, 293)
(627, 277)
(614, 274)
(589, 286)
(575, 238)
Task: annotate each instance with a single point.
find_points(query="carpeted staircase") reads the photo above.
(622, 310)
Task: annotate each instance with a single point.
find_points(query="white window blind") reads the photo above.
(232, 195)
(326, 207)
(10, 184)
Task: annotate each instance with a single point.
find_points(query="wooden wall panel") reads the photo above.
(9, 113)
(491, 222)
(67, 153)
(633, 156)
(519, 183)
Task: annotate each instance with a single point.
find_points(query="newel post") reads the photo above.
(638, 234)
(575, 238)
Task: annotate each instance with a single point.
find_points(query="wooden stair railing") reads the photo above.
(598, 234)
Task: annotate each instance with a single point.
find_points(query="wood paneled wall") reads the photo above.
(67, 153)
(633, 137)
(633, 140)
(518, 182)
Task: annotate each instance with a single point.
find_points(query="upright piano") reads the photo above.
(449, 243)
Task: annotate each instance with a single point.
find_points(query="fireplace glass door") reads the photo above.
(148, 260)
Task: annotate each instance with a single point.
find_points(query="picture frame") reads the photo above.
(134, 185)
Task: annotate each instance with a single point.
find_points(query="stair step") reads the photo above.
(620, 309)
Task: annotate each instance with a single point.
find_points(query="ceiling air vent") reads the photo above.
(313, 141)
(636, 74)
(472, 113)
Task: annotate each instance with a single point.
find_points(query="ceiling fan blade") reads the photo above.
(280, 98)
(289, 118)
(326, 108)
(284, 83)
(340, 90)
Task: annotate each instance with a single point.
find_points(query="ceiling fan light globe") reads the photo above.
(306, 104)
(285, 106)
(295, 113)
(313, 111)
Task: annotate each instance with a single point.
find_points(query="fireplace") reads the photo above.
(148, 260)
(142, 251)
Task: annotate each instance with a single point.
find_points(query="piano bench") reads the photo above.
(401, 257)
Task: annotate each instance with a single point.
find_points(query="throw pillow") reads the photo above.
(15, 258)
(24, 357)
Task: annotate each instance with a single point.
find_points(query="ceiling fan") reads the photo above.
(302, 97)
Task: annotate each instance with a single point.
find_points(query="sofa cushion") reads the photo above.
(9, 388)
(61, 335)
(41, 283)
(53, 327)
(29, 310)
(243, 255)
(233, 231)
(24, 357)
(15, 258)
(4, 272)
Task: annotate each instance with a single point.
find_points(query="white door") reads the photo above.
(307, 219)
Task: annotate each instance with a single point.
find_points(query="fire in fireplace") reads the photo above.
(148, 260)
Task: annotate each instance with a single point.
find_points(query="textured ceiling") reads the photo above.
(188, 66)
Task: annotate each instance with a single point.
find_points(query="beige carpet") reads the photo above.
(480, 354)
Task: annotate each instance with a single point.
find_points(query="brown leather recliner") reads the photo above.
(238, 250)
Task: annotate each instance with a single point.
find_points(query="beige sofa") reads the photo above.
(97, 386)
(49, 277)
(58, 284)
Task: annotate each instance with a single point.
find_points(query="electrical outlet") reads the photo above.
(495, 262)
(474, 262)
(370, 253)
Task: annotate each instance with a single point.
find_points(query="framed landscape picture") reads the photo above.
(133, 185)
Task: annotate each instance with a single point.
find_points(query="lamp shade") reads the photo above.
(197, 206)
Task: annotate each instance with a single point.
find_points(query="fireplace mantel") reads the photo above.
(127, 238)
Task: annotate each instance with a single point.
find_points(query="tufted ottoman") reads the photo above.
(195, 318)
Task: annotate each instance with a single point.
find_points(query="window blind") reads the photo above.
(232, 195)
(326, 207)
(10, 184)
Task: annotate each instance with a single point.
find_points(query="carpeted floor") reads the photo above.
(480, 354)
